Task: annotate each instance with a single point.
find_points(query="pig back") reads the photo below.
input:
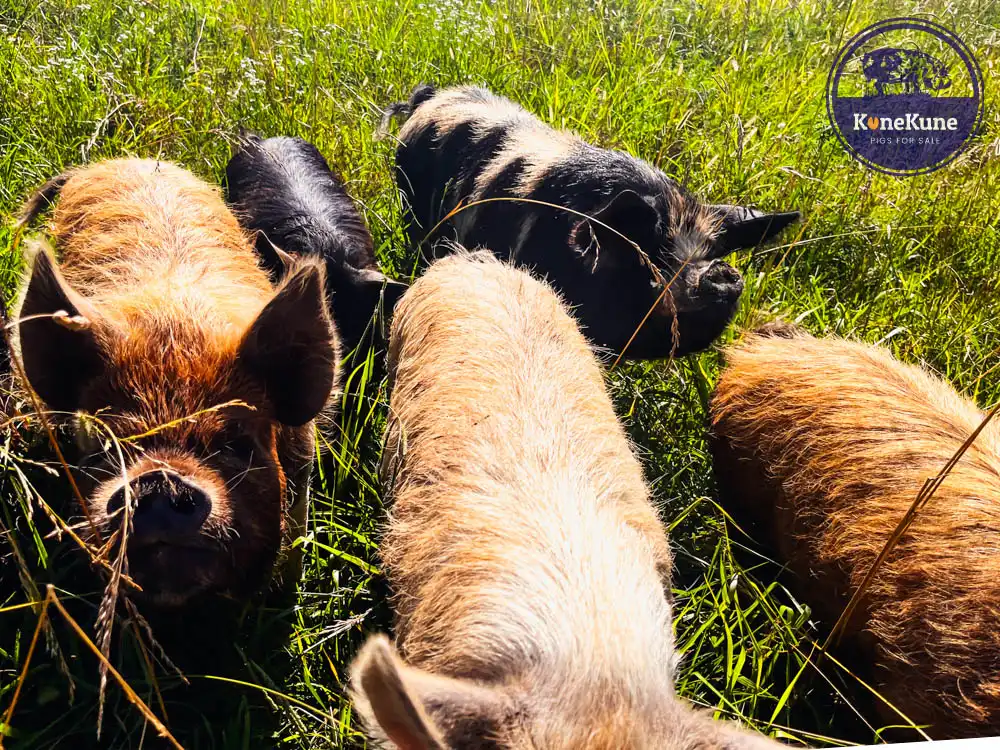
(519, 511)
(827, 443)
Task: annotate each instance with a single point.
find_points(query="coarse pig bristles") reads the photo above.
(530, 566)
(533, 148)
(117, 231)
(159, 319)
(827, 443)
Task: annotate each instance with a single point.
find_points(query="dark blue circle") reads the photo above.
(914, 24)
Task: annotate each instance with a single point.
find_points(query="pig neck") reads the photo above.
(157, 245)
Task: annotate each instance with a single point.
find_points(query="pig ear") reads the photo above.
(277, 262)
(377, 287)
(416, 710)
(600, 241)
(292, 348)
(383, 696)
(745, 227)
(58, 332)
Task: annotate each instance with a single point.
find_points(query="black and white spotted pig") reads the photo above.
(465, 144)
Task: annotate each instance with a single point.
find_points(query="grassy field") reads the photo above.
(727, 96)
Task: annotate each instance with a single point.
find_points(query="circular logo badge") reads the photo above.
(905, 96)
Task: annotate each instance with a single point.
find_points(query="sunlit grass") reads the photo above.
(726, 96)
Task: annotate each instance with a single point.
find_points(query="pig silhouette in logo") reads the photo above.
(913, 71)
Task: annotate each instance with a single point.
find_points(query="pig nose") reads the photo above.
(167, 508)
(721, 279)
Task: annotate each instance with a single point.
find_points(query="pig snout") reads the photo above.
(167, 508)
(720, 280)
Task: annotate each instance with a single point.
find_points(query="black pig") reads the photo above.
(283, 189)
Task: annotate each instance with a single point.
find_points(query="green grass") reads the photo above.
(726, 96)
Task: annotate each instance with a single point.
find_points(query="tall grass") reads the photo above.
(726, 96)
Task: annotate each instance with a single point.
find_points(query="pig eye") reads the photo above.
(236, 443)
(243, 447)
(240, 446)
(89, 440)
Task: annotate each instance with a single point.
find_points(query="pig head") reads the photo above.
(190, 430)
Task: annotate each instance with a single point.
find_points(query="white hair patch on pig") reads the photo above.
(538, 145)
(455, 107)
(689, 245)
